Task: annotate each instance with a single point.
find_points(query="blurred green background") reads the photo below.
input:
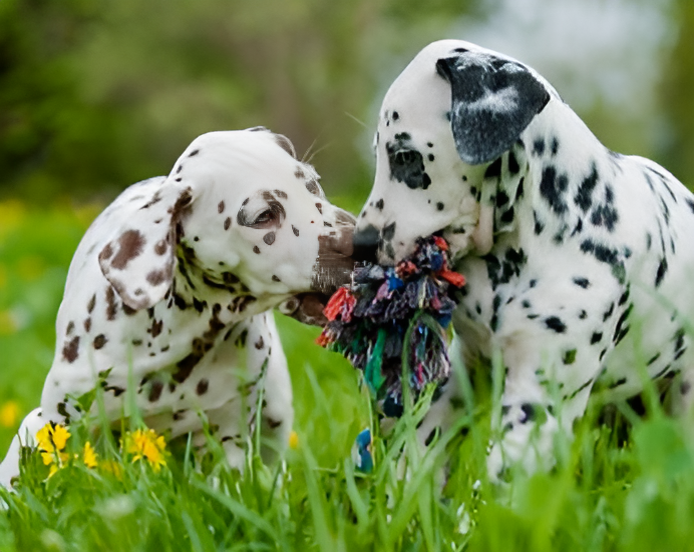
(98, 94)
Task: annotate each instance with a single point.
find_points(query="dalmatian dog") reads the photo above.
(578, 259)
(172, 288)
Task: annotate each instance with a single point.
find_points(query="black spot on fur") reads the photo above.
(379, 204)
(552, 188)
(606, 255)
(493, 170)
(554, 323)
(538, 146)
(513, 166)
(585, 191)
(554, 146)
(621, 331)
(662, 269)
(581, 282)
(595, 338)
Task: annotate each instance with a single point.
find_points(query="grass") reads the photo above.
(604, 494)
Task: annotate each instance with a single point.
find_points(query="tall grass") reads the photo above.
(628, 486)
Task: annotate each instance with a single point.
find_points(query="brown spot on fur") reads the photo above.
(220, 207)
(280, 193)
(295, 230)
(269, 238)
(99, 341)
(156, 328)
(312, 187)
(70, 328)
(156, 277)
(155, 391)
(319, 206)
(299, 173)
(285, 144)
(91, 304)
(111, 305)
(274, 424)
(129, 311)
(161, 247)
(202, 386)
(227, 223)
(260, 343)
(130, 245)
(256, 250)
(88, 325)
(275, 278)
(106, 252)
(71, 349)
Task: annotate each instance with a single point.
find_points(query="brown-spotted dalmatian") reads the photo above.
(578, 260)
(172, 288)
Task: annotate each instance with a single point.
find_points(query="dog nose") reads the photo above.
(365, 243)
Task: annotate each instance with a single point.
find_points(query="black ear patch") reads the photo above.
(493, 100)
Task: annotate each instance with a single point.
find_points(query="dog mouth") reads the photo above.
(307, 308)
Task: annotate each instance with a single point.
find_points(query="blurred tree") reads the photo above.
(677, 93)
(96, 95)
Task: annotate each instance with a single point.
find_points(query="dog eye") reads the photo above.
(265, 218)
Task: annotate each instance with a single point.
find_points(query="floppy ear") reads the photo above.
(493, 100)
(139, 258)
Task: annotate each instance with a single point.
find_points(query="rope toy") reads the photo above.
(395, 317)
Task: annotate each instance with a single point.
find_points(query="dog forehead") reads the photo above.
(237, 162)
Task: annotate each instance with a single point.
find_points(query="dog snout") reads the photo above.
(335, 263)
(365, 244)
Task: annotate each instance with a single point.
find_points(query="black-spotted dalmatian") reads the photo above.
(172, 288)
(578, 260)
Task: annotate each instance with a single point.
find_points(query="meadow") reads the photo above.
(624, 486)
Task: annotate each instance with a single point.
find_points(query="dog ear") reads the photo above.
(493, 101)
(138, 260)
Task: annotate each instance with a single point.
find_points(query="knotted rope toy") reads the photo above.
(392, 318)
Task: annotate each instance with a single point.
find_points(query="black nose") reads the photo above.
(365, 243)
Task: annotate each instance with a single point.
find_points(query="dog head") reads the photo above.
(238, 212)
(449, 131)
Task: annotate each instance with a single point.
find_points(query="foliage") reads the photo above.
(606, 493)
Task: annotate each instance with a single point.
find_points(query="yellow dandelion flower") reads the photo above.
(9, 413)
(51, 440)
(293, 440)
(147, 445)
(60, 436)
(89, 455)
(52, 437)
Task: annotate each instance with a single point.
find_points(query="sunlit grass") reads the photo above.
(606, 493)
